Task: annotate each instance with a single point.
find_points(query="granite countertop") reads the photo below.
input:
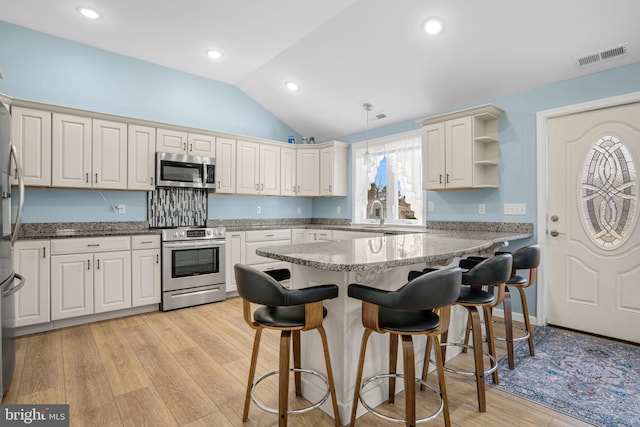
(429, 247)
(34, 231)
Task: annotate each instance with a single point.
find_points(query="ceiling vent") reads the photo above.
(603, 55)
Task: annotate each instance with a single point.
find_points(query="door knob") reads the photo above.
(555, 233)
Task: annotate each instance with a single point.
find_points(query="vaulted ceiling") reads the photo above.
(343, 53)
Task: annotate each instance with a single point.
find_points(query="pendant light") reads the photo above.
(367, 155)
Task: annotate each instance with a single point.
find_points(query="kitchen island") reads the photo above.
(382, 262)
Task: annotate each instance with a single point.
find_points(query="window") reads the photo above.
(388, 180)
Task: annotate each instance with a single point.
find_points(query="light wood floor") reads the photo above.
(188, 368)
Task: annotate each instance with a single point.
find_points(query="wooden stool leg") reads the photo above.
(476, 334)
(356, 394)
(527, 322)
(443, 388)
(409, 381)
(393, 362)
(467, 334)
(296, 363)
(491, 341)
(508, 326)
(332, 386)
(252, 373)
(283, 378)
(427, 360)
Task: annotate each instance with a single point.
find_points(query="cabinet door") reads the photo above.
(326, 171)
(31, 135)
(71, 151)
(145, 277)
(269, 170)
(298, 235)
(31, 259)
(308, 172)
(247, 168)
(459, 152)
(225, 165)
(112, 281)
(109, 155)
(234, 255)
(171, 141)
(287, 171)
(201, 145)
(71, 285)
(433, 155)
(141, 144)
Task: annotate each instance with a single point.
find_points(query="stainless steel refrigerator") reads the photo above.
(10, 281)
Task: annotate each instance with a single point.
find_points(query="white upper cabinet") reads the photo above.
(225, 165)
(31, 135)
(460, 150)
(201, 145)
(308, 172)
(257, 168)
(333, 170)
(142, 158)
(109, 154)
(88, 153)
(288, 171)
(175, 141)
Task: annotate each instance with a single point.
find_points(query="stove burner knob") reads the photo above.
(175, 234)
(182, 234)
(210, 232)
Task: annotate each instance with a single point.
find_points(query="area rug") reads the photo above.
(589, 378)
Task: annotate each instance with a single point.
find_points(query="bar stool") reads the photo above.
(420, 307)
(525, 258)
(494, 272)
(288, 311)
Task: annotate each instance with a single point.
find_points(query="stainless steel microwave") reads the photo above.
(181, 170)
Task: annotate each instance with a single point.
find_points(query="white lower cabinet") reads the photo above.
(235, 242)
(258, 238)
(90, 275)
(31, 259)
(145, 270)
(318, 235)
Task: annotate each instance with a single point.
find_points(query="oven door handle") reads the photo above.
(193, 244)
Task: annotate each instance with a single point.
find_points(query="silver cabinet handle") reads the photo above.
(218, 184)
(88, 264)
(440, 178)
(191, 147)
(262, 187)
(98, 265)
(44, 252)
(86, 179)
(96, 178)
(184, 146)
(93, 245)
(150, 180)
(329, 187)
(447, 178)
(157, 259)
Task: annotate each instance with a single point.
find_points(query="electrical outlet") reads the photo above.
(299, 210)
(338, 210)
(481, 209)
(122, 209)
(258, 210)
(515, 208)
(430, 206)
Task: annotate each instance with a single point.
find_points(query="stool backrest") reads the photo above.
(492, 271)
(258, 287)
(526, 258)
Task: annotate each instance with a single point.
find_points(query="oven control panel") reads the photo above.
(193, 234)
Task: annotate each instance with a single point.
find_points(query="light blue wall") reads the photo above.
(517, 147)
(48, 69)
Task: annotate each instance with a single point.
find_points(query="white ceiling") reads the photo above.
(343, 53)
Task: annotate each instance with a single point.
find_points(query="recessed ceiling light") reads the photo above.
(292, 86)
(214, 54)
(89, 13)
(433, 26)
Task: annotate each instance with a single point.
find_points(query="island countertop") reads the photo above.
(431, 247)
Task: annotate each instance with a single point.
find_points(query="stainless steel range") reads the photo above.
(193, 267)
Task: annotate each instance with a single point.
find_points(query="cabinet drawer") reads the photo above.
(150, 241)
(90, 244)
(250, 255)
(267, 235)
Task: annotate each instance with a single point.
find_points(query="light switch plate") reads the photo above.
(338, 210)
(299, 210)
(430, 206)
(481, 209)
(515, 209)
(258, 210)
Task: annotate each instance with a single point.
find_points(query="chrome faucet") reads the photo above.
(379, 203)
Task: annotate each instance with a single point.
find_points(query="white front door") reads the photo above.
(593, 236)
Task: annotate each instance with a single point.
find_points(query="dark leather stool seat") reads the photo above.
(493, 272)
(288, 311)
(421, 306)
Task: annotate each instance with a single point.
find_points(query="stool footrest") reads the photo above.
(264, 407)
(400, 420)
(492, 359)
(518, 327)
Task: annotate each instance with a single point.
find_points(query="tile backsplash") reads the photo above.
(177, 207)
